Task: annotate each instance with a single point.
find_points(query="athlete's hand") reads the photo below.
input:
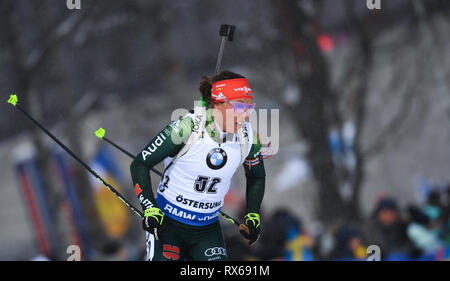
(152, 221)
(251, 228)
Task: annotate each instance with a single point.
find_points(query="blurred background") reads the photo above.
(364, 107)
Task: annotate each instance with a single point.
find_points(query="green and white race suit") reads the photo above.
(193, 188)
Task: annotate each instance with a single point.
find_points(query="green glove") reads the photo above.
(251, 228)
(152, 221)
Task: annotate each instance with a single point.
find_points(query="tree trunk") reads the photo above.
(311, 113)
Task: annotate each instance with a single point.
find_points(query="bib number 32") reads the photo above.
(206, 184)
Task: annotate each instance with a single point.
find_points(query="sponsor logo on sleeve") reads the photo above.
(137, 189)
(153, 146)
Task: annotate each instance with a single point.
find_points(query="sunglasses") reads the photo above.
(241, 107)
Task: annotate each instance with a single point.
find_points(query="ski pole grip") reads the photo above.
(100, 133)
(227, 30)
(13, 100)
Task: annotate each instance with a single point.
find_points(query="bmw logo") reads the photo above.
(216, 159)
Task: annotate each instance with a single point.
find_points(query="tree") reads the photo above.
(312, 112)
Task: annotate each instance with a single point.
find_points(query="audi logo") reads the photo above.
(215, 251)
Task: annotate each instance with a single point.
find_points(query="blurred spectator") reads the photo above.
(446, 217)
(424, 234)
(298, 245)
(424, 228)
(237, 247)
(386, 228)
(434, 199)
(348, 244)
(284, 238)
(273, 235)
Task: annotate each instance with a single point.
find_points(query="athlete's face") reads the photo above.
(231, 115)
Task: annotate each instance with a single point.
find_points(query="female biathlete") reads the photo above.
(201, 152)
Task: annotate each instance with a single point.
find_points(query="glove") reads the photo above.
(152, 221)
(251, 229)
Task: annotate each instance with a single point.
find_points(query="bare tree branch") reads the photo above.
(56, 36)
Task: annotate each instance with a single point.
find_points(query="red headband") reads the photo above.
(231, 89)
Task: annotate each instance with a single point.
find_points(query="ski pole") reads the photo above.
(13, 100)
(100, 133)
